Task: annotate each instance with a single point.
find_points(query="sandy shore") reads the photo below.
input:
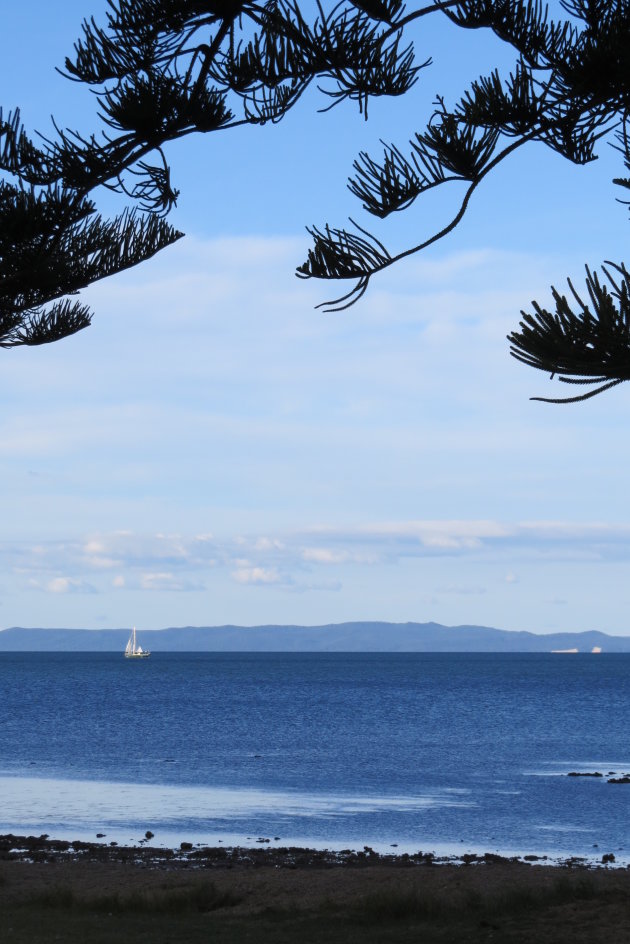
(484, 898)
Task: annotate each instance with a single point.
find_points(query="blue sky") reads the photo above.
(214, 449)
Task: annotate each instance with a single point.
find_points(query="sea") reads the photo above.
(402, 752)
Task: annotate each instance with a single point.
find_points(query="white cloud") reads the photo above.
(181, 562)
(441, 534)
(167, 581)
(60, 585)
(256, 575)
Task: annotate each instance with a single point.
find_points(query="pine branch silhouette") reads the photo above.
(569, 88)
(164, 69)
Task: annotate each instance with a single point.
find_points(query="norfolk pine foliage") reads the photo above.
(163, 69)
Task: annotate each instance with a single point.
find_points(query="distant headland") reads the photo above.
(332, 637)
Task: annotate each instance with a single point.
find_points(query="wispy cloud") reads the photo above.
(63, 585)
(257, 575)
(178, 562)
(164, 581)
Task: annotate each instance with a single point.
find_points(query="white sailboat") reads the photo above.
(133, 650)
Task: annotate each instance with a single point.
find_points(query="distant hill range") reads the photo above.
(334, 637)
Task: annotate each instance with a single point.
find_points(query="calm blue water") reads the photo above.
(449, 752)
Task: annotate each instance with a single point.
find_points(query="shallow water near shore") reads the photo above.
(441, 752)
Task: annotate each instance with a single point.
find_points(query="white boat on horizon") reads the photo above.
(133, 650)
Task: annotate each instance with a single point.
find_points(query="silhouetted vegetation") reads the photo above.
(163, 69)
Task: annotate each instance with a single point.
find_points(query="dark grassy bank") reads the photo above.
(76, 902)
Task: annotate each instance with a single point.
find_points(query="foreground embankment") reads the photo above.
(73, 892)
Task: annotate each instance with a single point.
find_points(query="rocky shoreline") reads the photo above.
(43, 849)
